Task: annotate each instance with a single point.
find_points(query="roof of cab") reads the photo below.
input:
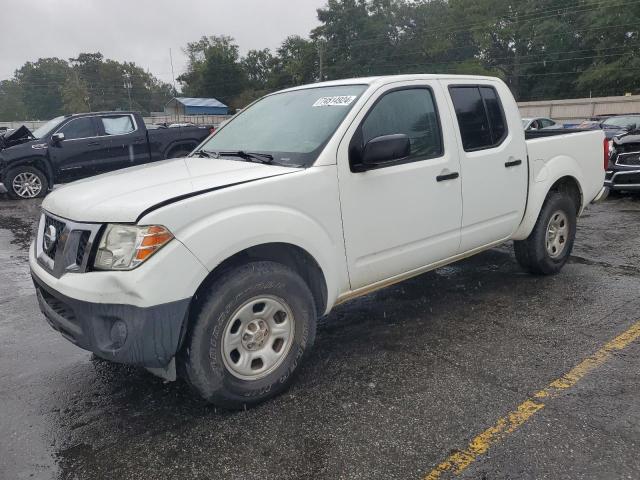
(382, 80)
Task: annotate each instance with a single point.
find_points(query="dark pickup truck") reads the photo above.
(72, 147)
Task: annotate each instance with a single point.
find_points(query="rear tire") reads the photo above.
(26, 182)
(249, 335)
(549, 245)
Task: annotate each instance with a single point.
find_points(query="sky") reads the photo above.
(143, 31)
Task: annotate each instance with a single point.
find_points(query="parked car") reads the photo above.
(72, 147)
(539, 123)
(623, 172)
(613, 125)
(215, 267)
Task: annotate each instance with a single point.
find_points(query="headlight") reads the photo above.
(124, 247)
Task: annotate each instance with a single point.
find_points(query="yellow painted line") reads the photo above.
(458, 461)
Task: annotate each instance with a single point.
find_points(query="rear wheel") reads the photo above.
(26, 182)
(549, 245)
(249, 336)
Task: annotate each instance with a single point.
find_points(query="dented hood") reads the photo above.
(15, 137)
(124, 195)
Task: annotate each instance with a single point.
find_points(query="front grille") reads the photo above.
(58, 306)
(51, 248)
(631, 158)
(64, 245)
(82, 247)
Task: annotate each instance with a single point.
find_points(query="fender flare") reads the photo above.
(543, 177)
(255, 225)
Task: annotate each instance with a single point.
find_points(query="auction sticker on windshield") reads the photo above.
(339, 101)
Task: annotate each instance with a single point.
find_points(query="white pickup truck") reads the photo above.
(215, 267)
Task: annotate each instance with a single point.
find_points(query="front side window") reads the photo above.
(117, 124)
(411, 112)
(291, 126)
(82, 127)
(480, 117)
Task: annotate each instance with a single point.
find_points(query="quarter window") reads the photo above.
(411, 112)
(480, 117)
(82, 127)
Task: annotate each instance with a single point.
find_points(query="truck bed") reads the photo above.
(577, 145)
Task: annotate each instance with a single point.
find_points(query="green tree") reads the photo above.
(11, 105)
(40, 84)
(214, 69)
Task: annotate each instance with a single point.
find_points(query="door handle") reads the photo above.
(448, 176)
(513, 163)
(93, 144)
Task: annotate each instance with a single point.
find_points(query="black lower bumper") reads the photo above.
(148, 337)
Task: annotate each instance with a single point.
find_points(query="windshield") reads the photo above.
(525, 122)
(47, 127)
(621, 122)
(292, 126)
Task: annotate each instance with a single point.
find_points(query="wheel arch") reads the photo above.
(293, 256)
(560, 174)
(40, 163)
(179, 145)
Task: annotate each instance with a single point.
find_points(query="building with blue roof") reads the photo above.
(180, 106)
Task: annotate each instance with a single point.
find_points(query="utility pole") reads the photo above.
(321, 58)
(173, 76)
(128, 86)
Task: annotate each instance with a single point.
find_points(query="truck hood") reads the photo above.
(123, 195)
(15, 137)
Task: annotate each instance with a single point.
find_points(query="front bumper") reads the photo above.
(3, 189)
(144, 336)
(622, 179)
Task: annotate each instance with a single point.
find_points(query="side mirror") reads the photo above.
(385, 149)
(57, 137)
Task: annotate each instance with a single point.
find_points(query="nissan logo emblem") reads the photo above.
(50, 238)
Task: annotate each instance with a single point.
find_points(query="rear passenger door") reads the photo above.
(493, 161)
(124, 141)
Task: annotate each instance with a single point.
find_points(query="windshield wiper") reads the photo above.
(248, 156)
(206, 153)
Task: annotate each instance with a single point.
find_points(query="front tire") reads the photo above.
(26, 182)
(549, 245)
(249, 336)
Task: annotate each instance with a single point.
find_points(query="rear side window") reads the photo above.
(411, 112)
(480, 117)
(117, 124)
(82, 127)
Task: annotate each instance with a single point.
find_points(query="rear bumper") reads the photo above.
(622, 179)
(144, 336)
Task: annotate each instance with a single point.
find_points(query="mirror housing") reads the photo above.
(385, 149)
(57, 137)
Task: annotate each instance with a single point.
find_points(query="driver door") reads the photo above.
(75, 156)
(403, 215)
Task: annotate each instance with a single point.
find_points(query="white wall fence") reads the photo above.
(215, 120)
(579, 109)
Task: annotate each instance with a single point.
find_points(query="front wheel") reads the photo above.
(249, 335)
(26, 182)
(549, 245)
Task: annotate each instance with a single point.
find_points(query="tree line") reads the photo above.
(543, 50)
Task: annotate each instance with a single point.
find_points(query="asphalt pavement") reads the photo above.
(399, 381)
